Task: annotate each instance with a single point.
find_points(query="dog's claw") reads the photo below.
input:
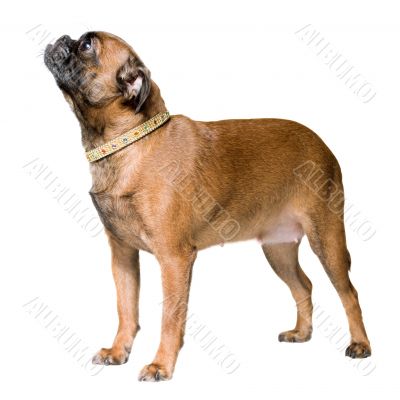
(358, 350)
(154, 373)
(294, 336)
(110, 357)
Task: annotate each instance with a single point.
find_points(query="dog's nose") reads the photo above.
(64, 41)
(64, 38)
(60, 51)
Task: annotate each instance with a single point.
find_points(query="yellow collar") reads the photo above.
(127, 138)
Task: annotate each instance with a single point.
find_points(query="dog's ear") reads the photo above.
(134, 81)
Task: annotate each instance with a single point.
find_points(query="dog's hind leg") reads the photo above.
(283, 258)
(327, 238)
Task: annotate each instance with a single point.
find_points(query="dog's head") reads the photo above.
(98, 69)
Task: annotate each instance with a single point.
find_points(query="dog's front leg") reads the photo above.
(176, 271)
(125, 268)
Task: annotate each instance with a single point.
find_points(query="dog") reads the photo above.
(172, 186)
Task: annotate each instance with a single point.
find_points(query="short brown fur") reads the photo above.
(149, 197)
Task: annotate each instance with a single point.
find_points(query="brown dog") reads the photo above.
(190, 185)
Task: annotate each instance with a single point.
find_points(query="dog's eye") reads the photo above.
(86, 45)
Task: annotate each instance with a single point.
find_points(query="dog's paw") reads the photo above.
(111, 356)
(154, 373)
(294, 336)
(358, 350)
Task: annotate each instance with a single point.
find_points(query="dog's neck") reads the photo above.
(100, 125)
(104, 124)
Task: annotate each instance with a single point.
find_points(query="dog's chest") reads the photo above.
(121, 216)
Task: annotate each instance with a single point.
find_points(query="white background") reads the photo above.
(212, 60)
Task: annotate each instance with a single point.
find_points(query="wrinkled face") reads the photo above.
(97, 69)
